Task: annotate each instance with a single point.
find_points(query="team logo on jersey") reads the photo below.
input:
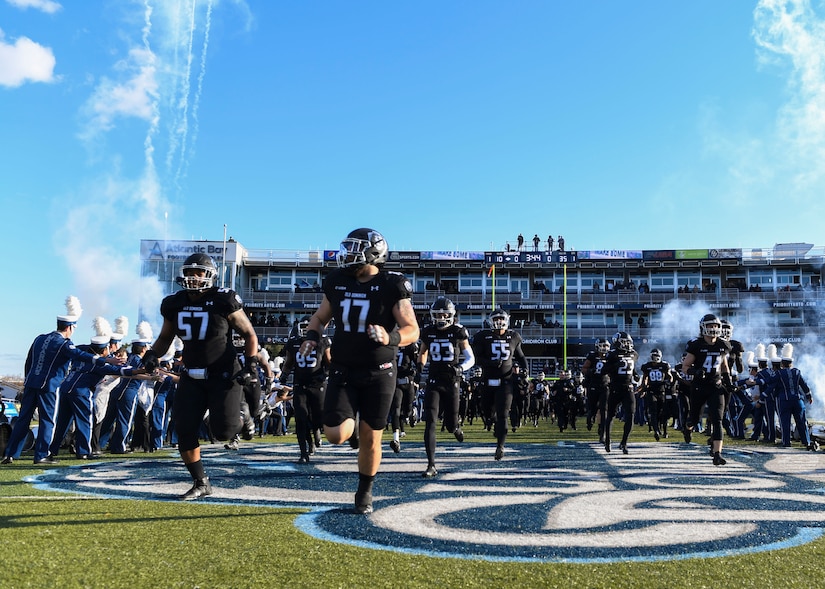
(565, 503)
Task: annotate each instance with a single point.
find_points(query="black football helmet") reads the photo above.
(362, 246)
(602, 345)
(442, 312)
(500, 319)
(622, 341)
(197, 283)
(727, 330)
(656, 355)
(303, 325)
(710, 325)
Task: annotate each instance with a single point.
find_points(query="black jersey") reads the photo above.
(656, 375)
(443, 347)
(495, 353)
(708, 356)
(621, 368)
(737, 349)
(407, 361)
(355, 305)
(203, 327)
(309, 369)
(596, 377)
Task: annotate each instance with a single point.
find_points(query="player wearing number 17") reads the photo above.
(203, 316)
(373, 317)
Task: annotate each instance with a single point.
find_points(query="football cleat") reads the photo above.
(363, 503)
(459, 434)
(499, 452)
(395, 445)
(718, 460)
(430, 472)
(201, 488)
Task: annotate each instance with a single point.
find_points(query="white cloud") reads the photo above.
(24, 61)
(47, 6)
(136, 96)
(791, 36)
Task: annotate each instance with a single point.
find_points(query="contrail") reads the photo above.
(197, 99)
(184, 95)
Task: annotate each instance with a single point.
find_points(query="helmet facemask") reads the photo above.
(361, 247)
(500, 321)
(442, 319)
(191, 279)
(711, 328)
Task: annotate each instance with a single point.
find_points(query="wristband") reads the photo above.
(313, 336)
(395, 338)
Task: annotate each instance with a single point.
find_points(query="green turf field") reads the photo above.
(55, 540)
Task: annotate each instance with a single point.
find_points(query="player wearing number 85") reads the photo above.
(373, 317)
(203, 315)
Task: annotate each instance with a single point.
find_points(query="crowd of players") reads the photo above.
(448, 379)
(381, 370)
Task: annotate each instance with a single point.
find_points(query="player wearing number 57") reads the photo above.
(203, 316)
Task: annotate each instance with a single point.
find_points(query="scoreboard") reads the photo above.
(557, 257)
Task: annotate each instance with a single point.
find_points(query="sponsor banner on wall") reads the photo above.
(452, 255)
(691, 254)
(404, 256)
(727, 253)
(659, 254)
(175, 250)
(611, 255)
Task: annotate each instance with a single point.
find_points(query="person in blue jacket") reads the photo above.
(46, 366)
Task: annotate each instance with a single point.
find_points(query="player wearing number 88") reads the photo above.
(203, 316)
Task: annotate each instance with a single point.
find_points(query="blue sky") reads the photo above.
(444, 124)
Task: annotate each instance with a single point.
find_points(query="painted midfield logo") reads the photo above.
(565, 503)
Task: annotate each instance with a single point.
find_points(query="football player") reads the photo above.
(373, 316)
(596, 383)
(309, 378)
(620, 367)
(203, 317)
(401, 410)
(706, 360)
(445, 344)
(655, 383)
(498, 351)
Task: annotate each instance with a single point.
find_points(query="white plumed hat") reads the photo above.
(103, 332)
(144, 333)
(759, 352)
(787, 353)
(121, 329)
(773, 357)
(73, 311)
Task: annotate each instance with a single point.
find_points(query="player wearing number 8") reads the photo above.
(203, 316)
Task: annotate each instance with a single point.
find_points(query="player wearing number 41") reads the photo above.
(445, 344)
(706, 362)
(373, 317)
(203, 316)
